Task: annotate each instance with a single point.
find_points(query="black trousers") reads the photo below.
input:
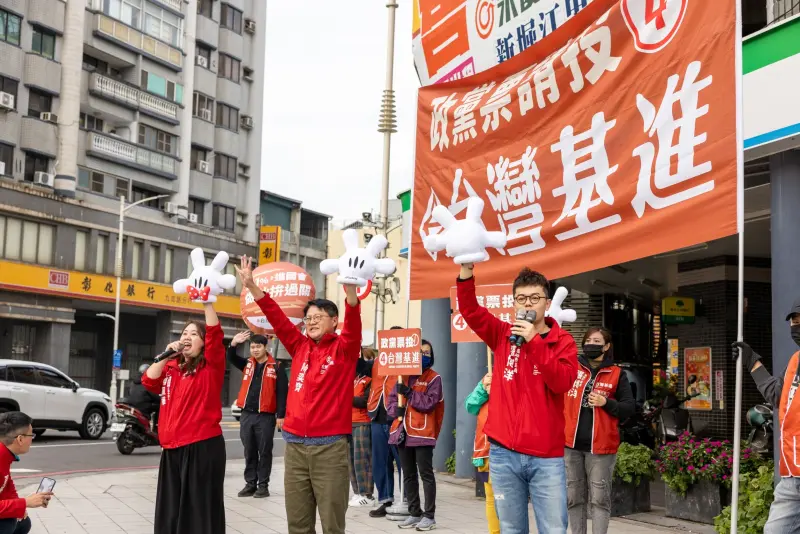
(190, 497)
(419, 460)
(257, 431)
(12, 526)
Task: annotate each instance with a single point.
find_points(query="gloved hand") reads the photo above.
(556, 312)
(464, 240)
(206, 282)
(749, 358)
(401, 411)
(403, 389)
(357, 266)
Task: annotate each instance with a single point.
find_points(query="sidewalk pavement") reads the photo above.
(124, 502)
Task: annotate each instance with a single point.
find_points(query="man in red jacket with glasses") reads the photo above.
(525, 426)
(319, 405)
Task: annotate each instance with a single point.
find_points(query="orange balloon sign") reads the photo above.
(289, 285)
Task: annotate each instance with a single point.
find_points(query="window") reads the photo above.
(81, 243)
(197, 207)
(101, 254)
(10, 86)
(22, 375)
(90, 122)
(205, 7)
(163, 24)
(162, 87)
(204, 52)
(229, 68)
(152, 262)
(83, 177)
(98, 182)
(227, 117)
(198, 154)
(158, 140)
(200, 103)
(139, 193)
(53, 379)
(92, 64)
(6, 159)
(128, 11)
(122, 188)
(168, 264)
(231, 18)
(224, 218)
(39, 103)
(44, 43)
(26, 241)
(33, 164)
(136, 259)
(9, 27)
(225, 167)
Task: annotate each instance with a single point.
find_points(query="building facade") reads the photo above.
(101, 99)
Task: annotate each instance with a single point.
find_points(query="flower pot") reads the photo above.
(629, 498)
(703, 502)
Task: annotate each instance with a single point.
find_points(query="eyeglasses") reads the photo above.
(26, 435)
(310, 319)
(522, 299)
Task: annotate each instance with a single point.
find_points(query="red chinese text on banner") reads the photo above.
(399, 352)
(611, 140)
(499, 300)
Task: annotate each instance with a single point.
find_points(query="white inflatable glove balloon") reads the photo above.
(559, 314)
(357, 266)
(464, 240)
(206, 282)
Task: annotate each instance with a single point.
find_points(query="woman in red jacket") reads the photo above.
(192, 472)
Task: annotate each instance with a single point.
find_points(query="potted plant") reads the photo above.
(697, 475)
(755, 498)
(632, 474)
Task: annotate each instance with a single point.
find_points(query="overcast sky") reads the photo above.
(325, 73)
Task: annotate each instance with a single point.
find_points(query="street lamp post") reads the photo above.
(118, 273)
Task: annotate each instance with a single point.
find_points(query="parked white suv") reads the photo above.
(53, 399)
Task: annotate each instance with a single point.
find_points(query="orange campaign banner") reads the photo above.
(399, 352)
(613, 139)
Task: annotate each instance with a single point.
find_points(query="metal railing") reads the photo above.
(125, 151)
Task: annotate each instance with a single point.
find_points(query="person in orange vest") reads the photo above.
(599, 399)
(477, 403)
(415, 431)
(361, 444)
(262, 398)
(384, 456)
(784, 514)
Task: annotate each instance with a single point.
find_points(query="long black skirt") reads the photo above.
(190, 498)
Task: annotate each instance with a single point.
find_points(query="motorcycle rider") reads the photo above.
(784, 514)
(146, 402)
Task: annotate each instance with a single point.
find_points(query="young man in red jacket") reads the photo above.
(525, 425)
(318, 408)
(16, 434)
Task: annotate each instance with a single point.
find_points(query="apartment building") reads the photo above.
(101, 99)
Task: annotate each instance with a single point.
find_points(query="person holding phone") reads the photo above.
(16, 434)
(190, 496)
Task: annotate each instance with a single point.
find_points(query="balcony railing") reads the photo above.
(114, 29)
(131, 96)
(290, 238)
(127, 152)
(174, 4)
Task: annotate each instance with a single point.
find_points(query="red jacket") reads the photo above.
(526, 407)
(11, 505)
(191, 405)
(360, 385)
(320, 397)
(268, 396)
(789, 420)
(605, 427)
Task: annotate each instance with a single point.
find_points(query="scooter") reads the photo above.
(673, 419)
(638, 428)
(133, 430)
(760, 438)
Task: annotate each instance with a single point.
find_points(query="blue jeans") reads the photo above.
(12, 526)
(784, 514)
(383, 455)
(518, 478)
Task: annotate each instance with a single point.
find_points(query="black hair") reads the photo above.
(528, 278)
(396, 328)
(258, 339)
(12, 424)
(323, 304)
(426, 342)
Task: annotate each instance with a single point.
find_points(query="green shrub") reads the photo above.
(633, 463)
(450, 464)
(755, 498)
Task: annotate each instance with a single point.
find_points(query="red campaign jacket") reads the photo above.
(605, 428)
(526, 407)
(360, 415)
(11, 505)
(268, 396)
(379, 391)
(481, 446)
(320, 397)
(191, 405)
(789, 418)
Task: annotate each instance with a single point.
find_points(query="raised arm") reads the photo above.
(214, 350)
(351, 330)
(488, 327)
(233, 358)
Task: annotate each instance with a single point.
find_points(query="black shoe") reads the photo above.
(248, 491)
(380, 511)
(261, 492)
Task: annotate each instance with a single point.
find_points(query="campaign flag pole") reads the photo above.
(737, 417)
(488, 359)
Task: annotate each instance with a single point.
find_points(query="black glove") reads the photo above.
(749, 358)
(403, 389)
(401, 412)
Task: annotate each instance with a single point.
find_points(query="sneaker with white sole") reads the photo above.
(426, 524)
(410, 522)
(362, 500)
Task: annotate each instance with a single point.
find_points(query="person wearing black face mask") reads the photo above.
(600, 398)
(784, 514)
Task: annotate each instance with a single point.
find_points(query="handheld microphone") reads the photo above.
(165, 355)
(520, 317)
(529, 317)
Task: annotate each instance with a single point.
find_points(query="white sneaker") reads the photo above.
(362, 500)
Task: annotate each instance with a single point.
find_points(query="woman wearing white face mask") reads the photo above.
(600, 398)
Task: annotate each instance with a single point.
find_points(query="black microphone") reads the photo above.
(529, 317)
(520, 317)
(165, 355)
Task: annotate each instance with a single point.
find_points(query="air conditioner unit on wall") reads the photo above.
(241, 218)
(43, 178)
(205, 114)
(6, 100)
(249, 25)
(247, 122)
(202, 61)
(49, 117)
(204, 167)
(171, 208)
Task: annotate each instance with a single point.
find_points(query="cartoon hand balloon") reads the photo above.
(464, 240)
(206, 282)
(358, 265)
(556, 312)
